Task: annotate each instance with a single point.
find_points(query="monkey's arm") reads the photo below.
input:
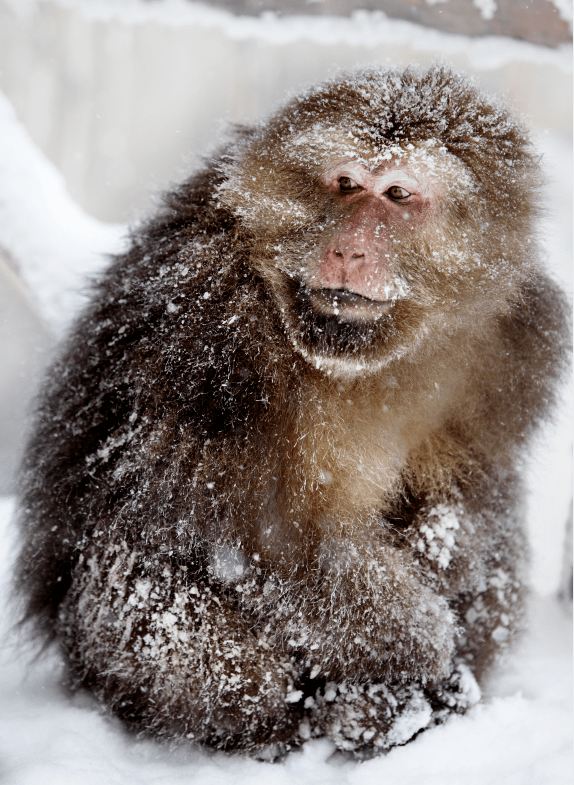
(473, 552)
(375, 648)
(362, 613)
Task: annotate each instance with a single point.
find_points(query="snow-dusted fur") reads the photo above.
(249, 524)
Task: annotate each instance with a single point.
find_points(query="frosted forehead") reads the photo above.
(325, 147)
(326, 143)
(377, 107)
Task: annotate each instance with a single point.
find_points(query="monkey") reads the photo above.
(272, 489)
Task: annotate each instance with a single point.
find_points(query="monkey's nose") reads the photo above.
(348, 255)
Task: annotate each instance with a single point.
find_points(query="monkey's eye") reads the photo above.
(347, 185)
(397, 193)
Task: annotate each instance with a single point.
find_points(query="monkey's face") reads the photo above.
(363, 248)
(357, 276)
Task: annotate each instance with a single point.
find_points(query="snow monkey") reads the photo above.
(271, 491)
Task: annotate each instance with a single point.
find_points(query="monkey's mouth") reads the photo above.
(348, 305)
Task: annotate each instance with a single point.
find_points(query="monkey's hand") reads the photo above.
(174, 658)
(366, 719)
(363, 614)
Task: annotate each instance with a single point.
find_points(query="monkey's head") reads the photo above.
(384, 208)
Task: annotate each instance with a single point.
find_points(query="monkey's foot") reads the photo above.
(454, 695)
(366, 719)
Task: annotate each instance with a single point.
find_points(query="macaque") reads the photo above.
(272, 489)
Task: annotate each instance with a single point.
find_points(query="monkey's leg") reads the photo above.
(173, 658)
(492, 614)
(491, 617)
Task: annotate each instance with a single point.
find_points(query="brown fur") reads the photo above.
(235, 534)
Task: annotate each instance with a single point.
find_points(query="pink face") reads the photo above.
(354, 276)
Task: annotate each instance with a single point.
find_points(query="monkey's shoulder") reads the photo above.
(536, 331)
(530, 359)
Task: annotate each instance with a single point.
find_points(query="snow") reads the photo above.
(52, 242)
(487, 8)
(549, 467)
(520, 734)
(564, 8)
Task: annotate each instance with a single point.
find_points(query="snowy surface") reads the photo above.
(564, 8)
(520, 735)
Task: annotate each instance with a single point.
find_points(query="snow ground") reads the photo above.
(520, 735)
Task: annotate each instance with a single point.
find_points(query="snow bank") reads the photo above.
(51, 241)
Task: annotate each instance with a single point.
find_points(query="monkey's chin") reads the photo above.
(360, 341)
(348, 306)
